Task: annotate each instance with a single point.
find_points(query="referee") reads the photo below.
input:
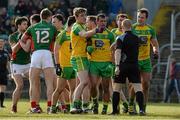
(4, 58)
(126, 60)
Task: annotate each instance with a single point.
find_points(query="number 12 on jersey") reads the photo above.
(42, 36)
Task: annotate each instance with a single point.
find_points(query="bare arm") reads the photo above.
(56, 52)
(117, 56)
(117, 60)
(15, 46)
(112, 47)
(86, 34)
(155, 46)
(25, 42)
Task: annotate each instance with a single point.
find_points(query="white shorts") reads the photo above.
(42, 59)
(20, 69)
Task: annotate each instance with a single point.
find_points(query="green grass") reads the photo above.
(155, 111)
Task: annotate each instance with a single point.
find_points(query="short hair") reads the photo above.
(101, 15)
(144, 10)
(45, 13)
(127, 23)
(71, 20)
(35, 17)
(121, 15)
(92, 18)
(59, 17)
(79, 10)
(19, 20)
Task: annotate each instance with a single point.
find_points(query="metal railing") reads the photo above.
(173, 47)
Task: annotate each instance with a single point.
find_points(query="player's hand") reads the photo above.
(90, 49)
(58, 70)
(117, 71)
(155, 55)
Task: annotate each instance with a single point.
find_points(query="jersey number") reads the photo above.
(42, 36)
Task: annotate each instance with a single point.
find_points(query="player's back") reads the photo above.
(43, 35)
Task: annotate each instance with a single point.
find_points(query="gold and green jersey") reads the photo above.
(63, 39)
(101, 43)
(116, 32)
(145, 33)
(78, 43)
(20, 57)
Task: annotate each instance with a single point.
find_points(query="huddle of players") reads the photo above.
(86, 54)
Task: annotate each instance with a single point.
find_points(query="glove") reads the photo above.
(58, 70)
(155, 56)
(100, 29)
(90, 49)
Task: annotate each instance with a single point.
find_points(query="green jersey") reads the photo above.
(20, 57)
(43, 35)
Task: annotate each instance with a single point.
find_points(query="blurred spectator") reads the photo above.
(64, 5)
(115, 7)
(21, 9)
(89, 5)
(101, 6)
(174, 80)
(32, 8)
(4, 23)
(40, 4)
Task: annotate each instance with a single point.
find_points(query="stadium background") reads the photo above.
(160, 17)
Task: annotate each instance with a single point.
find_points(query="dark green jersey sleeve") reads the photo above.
(28, 31)
(111, 37)
(153, 33)
(12, 39)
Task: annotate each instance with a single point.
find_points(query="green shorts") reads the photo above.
(145, 65)
(80, 63)
(68, 73)
(103, 69)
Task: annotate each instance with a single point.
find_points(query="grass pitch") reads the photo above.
(154, 111)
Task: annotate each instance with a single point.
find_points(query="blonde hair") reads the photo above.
(79, 10)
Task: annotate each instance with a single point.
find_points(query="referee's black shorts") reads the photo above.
(3, 79)
(130, 71)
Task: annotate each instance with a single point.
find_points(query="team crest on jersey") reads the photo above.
(143, 40)
(99, 43)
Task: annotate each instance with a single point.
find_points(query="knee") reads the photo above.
(145, 85)
(106, 89)
(84, 83)
(58, 90)
(20, 86)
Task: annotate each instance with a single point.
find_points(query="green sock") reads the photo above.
(105, 106)
(131, 101)
(125, 104)
(53, 107)
(85, 105)
(95, 100)
(77, 104)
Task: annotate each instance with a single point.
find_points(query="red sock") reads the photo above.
(33, 104)
(49, 103)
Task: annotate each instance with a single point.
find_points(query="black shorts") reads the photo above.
(3, 79)
(130, 71)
